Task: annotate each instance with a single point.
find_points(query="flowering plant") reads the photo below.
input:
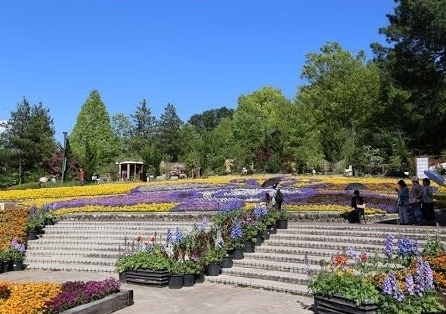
(400, 282)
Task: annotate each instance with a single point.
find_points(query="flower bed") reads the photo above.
(12, 224)
(402, 281)
(52, 298)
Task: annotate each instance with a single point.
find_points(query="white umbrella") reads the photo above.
(43, 179)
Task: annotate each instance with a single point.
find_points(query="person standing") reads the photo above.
(81, 176)
(415, 195)
(428, 201)
(358, 208)
(403, 202)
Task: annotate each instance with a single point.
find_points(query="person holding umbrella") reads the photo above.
(358, 208)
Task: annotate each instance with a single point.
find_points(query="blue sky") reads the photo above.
(195, 54)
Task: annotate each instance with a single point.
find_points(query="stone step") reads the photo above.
(54, 241)
(86, 253)
(110, 229)
(335, 239)
(78, 260)
(393, 229)
(297, 289)
(297, 258)
(271, 249)
(273, 275)
(71, 267)
(290, 267)
(420, 235)
(340, 246)
(101, 236)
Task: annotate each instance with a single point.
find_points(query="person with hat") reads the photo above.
(415, 195)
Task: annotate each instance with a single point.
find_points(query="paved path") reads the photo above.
(202, 298)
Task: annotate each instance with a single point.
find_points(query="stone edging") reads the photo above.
(109, 304)
(197, 216)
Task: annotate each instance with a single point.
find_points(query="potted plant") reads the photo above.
(212, 259)
(5, 260)
(190, 269)
(282, 219)
(17, 259)
(176, 272)
(249, 236)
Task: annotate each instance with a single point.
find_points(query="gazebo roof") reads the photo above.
(129, 162)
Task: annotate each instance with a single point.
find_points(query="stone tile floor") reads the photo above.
(201, 298)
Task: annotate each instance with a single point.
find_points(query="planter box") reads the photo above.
(340, 305)
(158, 278)
(109, 304)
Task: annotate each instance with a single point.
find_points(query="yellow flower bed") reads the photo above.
(26, 298)
(69, 192)
(327, 208)
(154, 207)
(12, 225)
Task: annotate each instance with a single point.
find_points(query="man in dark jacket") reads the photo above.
(358, 208)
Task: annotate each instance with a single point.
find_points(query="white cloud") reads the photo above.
(2, 128)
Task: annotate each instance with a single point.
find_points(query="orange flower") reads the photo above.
(340, 260)
(138, 238)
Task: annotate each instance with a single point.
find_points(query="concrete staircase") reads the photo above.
(85, 245)
(281, 263)
(284, 262)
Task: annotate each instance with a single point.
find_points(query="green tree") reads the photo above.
(257, 115)
(29, 139)
(342, 90)
(209, 119)
(416, 62)
(92, 138)
(122, 129)
(169, 133)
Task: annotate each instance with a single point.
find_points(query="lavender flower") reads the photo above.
(407, 247)
(229, 206)
(428, 276)
(204, 224)
(236, 231)
(410, 284)
(388, 247)
(260, 211)
(420, 286)
(391, 287)
(351, 253)
(169, 237)
(178, 235)
(16, 246)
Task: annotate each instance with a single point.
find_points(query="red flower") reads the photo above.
(363, 256)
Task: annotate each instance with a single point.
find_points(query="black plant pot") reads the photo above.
(49, 221)
(123, 277)
(213, 269)
(265, 234)
(5, 267)
(227, 262)
(39, 230)
(188, 280)
(158, 278)
(249, 247)
(282, 224)
(259, 240)
(176, 281)
(32, 235)
(273, 229)
(1, 267)
(238, 254)
(17, 265)
(199, 278)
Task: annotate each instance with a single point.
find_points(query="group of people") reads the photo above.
(418, 201)
(274, 198)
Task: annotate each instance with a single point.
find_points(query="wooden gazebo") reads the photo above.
(130, 170)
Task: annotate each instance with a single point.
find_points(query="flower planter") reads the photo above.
(340, 305)
(273, 229)
(32, 235)
(123, 277)
(188, 280)
(248, 248)
(159, 278)
(199, 278)
(17, 265)
(176, 281)
(259, 240)
(282, 224)
(213, 269)
(238, 254)
(265, 234)
(227, 262)
(5, 266)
